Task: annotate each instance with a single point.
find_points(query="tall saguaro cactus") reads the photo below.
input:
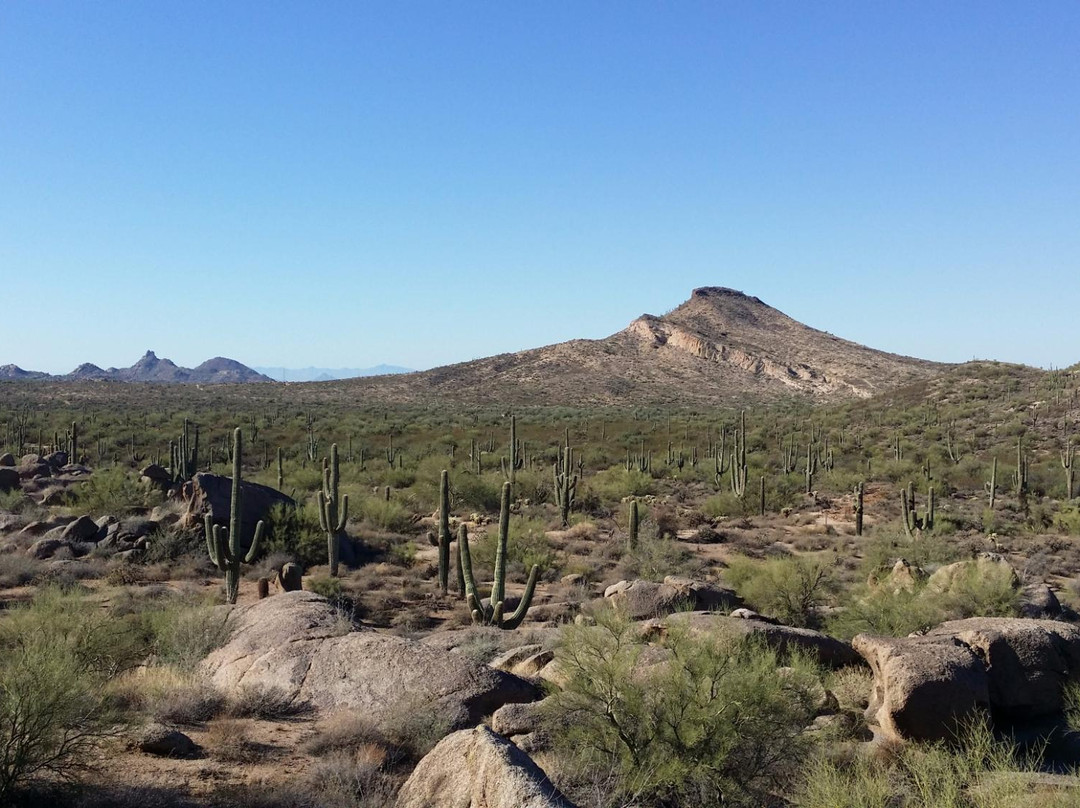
(185, 455)
(333, 508)
(859, 509)
(492, 614)
(444, 531)
(565, 483)
(223, 544)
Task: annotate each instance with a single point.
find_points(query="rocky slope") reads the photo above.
(720, 346)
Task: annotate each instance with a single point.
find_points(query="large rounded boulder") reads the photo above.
(298, 645)
(477, 768)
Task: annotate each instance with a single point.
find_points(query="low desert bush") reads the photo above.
(711, 724)
(295, 532)
(17, 569)
(613, 485)
(977, 772)
(56, 657)
(266, 703)
(111, 491)
(792, 590)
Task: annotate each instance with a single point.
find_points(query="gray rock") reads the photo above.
(158, 739)
(516, 719)
(46, 548)
(297, 644)
(156, 474)
(7, 460)
(527, 660)
(57, 460)
(1039, 602)
(1012, 668)
(34, 471)
(82, 529)
(212, 494)
(924, 688)
(645, 599)
(9, 479)
(476, 768)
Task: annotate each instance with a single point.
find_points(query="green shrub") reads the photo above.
(297, 533)
(111, 491)
(390, 515)
(56, 657)
(712, 724)
(615, 484)
(329, 588)
(790, 589)
(977, 772)
(1067, 519)
(526, 545)
(481, 493)
(654, 559)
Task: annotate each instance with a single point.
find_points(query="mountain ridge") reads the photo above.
(149, 368)
(718, 344)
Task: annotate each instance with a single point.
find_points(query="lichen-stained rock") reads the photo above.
(924, 688)
(477, 768)
(296, 644)
(829, 651)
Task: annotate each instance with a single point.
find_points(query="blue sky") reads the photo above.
(343, 184)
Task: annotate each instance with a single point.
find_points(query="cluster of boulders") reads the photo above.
(48, 476)
(73, 537)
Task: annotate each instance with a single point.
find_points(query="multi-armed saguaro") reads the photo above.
(333, 508)
(492, 614)
(185, 455)
(224, 544)
(565, 483)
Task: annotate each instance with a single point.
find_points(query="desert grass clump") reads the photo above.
(978, 771)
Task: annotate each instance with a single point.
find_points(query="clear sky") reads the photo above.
(348, 183)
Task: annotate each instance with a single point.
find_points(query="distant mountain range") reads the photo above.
(218, 370)
(328, 374)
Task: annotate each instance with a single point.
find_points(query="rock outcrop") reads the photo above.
(477, 768)
(644, 599)
(297, 645)
(1010, 669)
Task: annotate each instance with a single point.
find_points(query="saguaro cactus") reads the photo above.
(859, 509)
(333, 508)
(565, 483)
(1067, 455)
(738, 458)
(991, 485)
(185, 455)
(223, 544)
(492, 614)
(444, 531)
(634, 522)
